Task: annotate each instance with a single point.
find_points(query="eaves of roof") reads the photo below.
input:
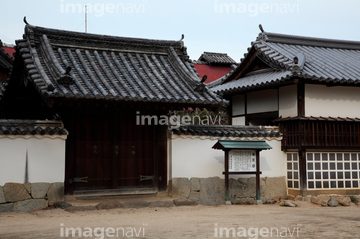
(325, 61)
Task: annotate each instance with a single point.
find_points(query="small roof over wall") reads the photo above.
(240, 144)
(228, 131)
(32, 127)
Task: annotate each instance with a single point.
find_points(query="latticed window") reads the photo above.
(332, 170)
(292, 178)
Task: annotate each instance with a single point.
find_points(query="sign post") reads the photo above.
(242, 157)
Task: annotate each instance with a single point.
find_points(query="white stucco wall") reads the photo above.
(194, 157)
(337, 101)
(288, 101)
(238, 120)
(262, 101)
(46, 159)
(238, 105)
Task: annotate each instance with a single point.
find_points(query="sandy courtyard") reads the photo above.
(239, 221)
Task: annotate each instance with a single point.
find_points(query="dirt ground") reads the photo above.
(234, 221)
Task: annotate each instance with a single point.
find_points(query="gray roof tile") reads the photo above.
(326, 60)
(227, 131)
(216, 58)
(32, 127)
(74, 65)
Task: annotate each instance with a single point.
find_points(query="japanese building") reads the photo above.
(309, 88)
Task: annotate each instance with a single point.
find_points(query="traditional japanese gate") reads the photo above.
(110, 152)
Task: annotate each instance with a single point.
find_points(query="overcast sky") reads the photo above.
(226, 26)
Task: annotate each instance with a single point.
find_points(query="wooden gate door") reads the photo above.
(112, 152)
(134, 155)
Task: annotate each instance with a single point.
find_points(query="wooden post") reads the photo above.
(227, 197)
(302, 171)
(258, 201)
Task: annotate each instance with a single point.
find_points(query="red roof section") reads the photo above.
(212, 72)
(9, 50)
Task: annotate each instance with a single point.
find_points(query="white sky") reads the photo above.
(226, 26)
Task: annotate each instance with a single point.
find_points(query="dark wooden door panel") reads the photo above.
(112, 152)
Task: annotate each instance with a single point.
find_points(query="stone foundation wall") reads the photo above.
(211, 191)
(30, 196)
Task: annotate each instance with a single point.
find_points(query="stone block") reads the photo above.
(39, 190)
(184, 202)
(212, 191)
(236, 189)
(55, 193)
(290, 197)
(135, 204)
(80, 208)
(344, 201)
(288, 203)
(30, 204)
(325, 198)
(15, 192)
(248, 188)
(307, 198)
(180, 187)
(6, 207)
(195, 184)
(247, 200)
(62, 205)
(318, 201)
(162, 204)
(299, 198)
(2, 195)
(28, 187)
(108, 205)
(270, 201)
(333, 202)
(273, 188)
(194, 195)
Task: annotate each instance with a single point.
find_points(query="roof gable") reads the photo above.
(72, 65)
(324, 61)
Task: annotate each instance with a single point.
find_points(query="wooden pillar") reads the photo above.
(302, 171)
(257, 175)
(301, 98)
(227, 196)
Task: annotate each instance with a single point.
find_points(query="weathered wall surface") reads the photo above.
(211, 191)
(45, 156)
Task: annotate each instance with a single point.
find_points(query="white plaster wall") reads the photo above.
(46, 159)
(194, 157)
(238, 120)
(262, 101)
(337, 101)
(238, 105)
(288, 101)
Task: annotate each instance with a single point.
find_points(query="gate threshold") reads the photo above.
(114, 193)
